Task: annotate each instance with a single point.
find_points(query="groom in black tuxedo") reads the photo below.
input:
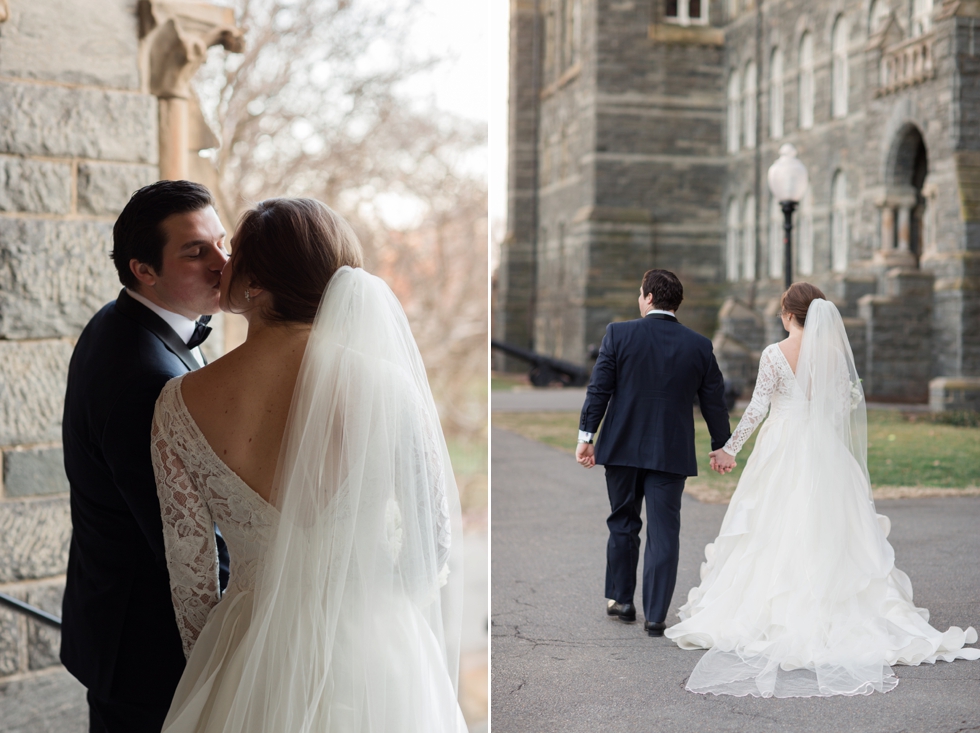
(119, 633)
(645, 380)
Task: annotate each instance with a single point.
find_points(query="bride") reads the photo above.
(799, 594)
(316, 448)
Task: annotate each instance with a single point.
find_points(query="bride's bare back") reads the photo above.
(241, 401)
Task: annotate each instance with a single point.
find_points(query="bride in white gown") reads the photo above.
(799, 594)
(317, 449)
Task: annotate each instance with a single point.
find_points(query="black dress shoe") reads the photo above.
(625, 611)
(654, 628)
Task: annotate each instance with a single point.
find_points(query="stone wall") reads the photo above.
(77, 137)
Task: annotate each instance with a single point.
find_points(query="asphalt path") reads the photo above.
(558, 663)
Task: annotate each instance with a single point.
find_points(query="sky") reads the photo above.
(498, 45)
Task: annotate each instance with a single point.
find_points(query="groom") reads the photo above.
(645, 380)
(119, 635)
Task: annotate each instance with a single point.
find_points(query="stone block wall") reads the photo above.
(77, 137)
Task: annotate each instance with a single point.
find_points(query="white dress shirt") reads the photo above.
(183, 327)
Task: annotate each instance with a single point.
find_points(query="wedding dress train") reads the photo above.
(338, 616)
(799, 593)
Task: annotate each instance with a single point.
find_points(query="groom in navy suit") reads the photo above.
(644, 382)
(119, 633)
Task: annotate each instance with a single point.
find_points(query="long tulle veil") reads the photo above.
(355, 627)
(828, 377)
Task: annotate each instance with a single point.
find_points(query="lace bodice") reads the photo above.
(196, 489)
(775, 385)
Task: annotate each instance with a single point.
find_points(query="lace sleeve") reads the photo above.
(765, 384)
(188, 533)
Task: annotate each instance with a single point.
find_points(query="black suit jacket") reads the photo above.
(644, 382)
(119, 634)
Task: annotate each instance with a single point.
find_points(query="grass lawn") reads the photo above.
(469, 459)
(508, 380)
(902, 451)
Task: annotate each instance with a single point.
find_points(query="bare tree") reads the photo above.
(315, 106)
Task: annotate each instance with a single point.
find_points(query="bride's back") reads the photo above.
(241, 403)
(284, 253)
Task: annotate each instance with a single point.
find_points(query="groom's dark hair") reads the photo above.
(666, 288)
(137, 234)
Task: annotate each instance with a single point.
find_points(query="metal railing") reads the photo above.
(28, 610)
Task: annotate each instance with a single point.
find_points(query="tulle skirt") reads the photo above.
(206, 694)
(799, 593)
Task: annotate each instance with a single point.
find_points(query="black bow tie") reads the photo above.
(201, 331)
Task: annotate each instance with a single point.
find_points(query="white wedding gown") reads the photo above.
(799, 593)
(332, 619)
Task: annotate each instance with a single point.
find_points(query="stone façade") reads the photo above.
(621, 159)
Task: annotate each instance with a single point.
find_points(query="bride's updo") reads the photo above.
(796, 300)
(290, 248)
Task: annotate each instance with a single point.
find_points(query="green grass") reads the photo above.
(507, 381)
(902, 451)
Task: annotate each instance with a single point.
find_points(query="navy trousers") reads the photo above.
(116, 717)
(627, 488)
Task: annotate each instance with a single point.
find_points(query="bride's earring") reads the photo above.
(248, 297)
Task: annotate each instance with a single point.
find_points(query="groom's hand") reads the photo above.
(585, 454)
(721, 461)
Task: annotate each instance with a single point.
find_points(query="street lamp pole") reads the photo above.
(788, 208)
(788, 181)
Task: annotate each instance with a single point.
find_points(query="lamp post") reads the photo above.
(788, 181)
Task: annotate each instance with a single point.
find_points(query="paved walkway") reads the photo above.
(559, 664)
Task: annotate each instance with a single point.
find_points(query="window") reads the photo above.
(732, 9)
(748, 106)
(838, 223)
(877, 16)
(921, 17)
(776, 95)
(734, 100)
(776, 243)
(748, 239)
(731, 242)
(839, 80)
(806, 81)
(573, 31)
(804, 257)
(686, 12)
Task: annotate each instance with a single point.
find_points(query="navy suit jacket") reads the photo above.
(119, 633)
(644, 382)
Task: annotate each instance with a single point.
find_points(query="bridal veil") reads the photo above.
(355, 627)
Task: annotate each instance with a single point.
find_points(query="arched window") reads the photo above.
(877, 16)
(775, 239)
(839, 77)
(921, 17)
(838, 223)
(731, 242)
(686, 12)
(776, 95)
(804, 258)
(748, 105)
(806, 81)
(748, 239)
(734, 101)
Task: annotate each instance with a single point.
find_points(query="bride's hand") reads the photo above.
(721, 461)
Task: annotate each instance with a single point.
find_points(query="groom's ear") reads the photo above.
(143, 272)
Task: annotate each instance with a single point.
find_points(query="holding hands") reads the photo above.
(721, 461)
(585, 454)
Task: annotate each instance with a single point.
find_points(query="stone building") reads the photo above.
(94, 103)
(641, 133)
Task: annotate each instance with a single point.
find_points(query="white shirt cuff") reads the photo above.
(584, 437)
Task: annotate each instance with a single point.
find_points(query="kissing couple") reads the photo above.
(314, 449)
(799, 593)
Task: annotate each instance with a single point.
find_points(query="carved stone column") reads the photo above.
(902, 199)
(887, 228)
(175, 37)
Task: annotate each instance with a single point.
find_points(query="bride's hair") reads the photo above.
(291, 248)
(796, 300)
